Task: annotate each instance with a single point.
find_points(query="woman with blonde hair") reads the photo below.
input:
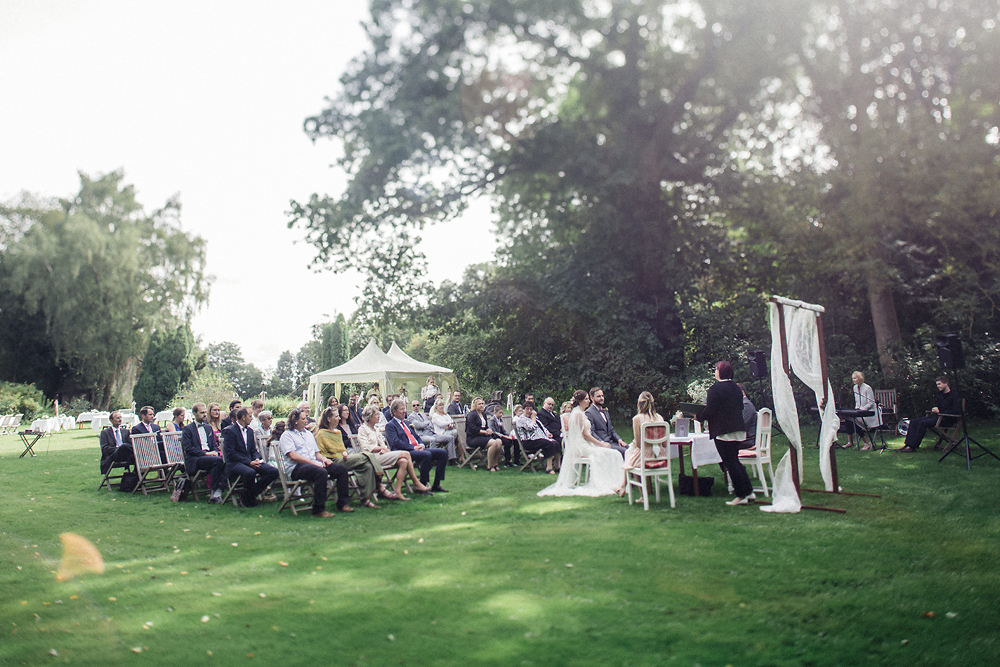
(371, 440)
(214, 420)
(479, 434)
(646, 412)
(444, 424)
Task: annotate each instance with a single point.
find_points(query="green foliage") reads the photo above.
(284, 380)
(205, 386)
(102, 274)
(76, 406)
(167, 365)
(227, 358)
(23, 399)
(281, 406)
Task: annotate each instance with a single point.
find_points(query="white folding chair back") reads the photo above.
(154, 474)
(654, 450)
(5, 422)
(761, 453)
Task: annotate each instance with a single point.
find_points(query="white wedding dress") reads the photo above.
(606, 472)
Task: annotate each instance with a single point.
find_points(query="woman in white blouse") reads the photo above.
(444, 424)
(372, 440)
(429, 394)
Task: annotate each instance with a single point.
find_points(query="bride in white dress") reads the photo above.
(606, 473)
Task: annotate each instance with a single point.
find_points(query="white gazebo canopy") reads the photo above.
(392, 371)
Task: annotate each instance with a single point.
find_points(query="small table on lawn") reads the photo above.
(703, 452)
(29, 444)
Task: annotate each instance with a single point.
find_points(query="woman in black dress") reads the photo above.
(724, 413)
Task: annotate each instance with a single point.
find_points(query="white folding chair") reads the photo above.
(761, 453)
(298, 493)
(654, 437)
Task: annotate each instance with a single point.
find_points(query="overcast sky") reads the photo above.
(205, 99)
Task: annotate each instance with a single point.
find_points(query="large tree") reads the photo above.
(166, 366)
(595, 127)
(101, 274)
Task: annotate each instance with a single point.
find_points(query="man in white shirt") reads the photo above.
(303, 460)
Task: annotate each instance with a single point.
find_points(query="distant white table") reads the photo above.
(98, 423)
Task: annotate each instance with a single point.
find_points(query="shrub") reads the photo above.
(205, 386)
(76, 406)
(280, 406)
(22, 398)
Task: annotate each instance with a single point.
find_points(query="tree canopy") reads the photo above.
(88, 279)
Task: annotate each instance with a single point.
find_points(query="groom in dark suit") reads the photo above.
(201, 451)
(239, 443)
(600, 422)
(399, 434)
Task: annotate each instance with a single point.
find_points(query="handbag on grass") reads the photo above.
(685, 485)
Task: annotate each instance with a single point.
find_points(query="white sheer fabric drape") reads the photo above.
(804, 360)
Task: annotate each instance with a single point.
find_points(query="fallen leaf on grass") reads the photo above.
(218, 595)
(951, 614)
(78, 556)
(282, 563)
(53, 652)
(928, 614)
(205, 619)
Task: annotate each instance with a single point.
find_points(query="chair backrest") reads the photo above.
(655, 436)
(460, 425)
(172, 446)
(275, 454)
(355, 443)
(17, 420)
(763, 440)
(697, 425)
(886, 398)
(147, 454)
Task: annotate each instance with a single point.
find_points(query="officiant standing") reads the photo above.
(724, 412)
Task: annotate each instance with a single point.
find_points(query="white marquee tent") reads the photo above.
(391, 371)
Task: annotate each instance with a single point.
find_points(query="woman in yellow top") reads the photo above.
(365, 467)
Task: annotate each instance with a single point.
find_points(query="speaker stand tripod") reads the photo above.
(966, 439)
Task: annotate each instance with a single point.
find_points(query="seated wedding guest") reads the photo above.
(382, 421)
(429, 394)
(303, 409)
(564, 411)
(146, 425)
(455, 407)
(116, 444)
(534, 437)
(479, 434)
(355, 410)
(239, 444)
(372, 440)
(499, 430)
(724, 412)
(347, 423)
(549, 419)
(400, 437)
(600, 422)
(424, 429)
(177, 423)
(365, 467)
(444, 426)
(234, 405)
(303, 460)
(256, 407)
(201, 451)
(948, 403)
(645, 413)
(264, 424)
(387, 410)
(333, 402)
(214, 419)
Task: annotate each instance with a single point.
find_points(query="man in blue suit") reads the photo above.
(201, 451)
(239, 444)
(400, 436)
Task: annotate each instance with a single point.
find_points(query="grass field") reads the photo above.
(491, 574)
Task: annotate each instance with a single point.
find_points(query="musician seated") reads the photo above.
(945, 413)
(864, 400)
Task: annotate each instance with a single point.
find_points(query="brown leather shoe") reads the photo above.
(324, 515)
(346, 508)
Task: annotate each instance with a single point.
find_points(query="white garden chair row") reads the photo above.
(9, 424)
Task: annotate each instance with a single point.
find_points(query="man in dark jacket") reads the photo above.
(948, 403)
(600, 422)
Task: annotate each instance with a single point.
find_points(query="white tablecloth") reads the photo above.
(163, 416)
(47, 425)
(90, 416)
(703, 451)
(98, 423)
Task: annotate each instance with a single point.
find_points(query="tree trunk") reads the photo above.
(887, 335)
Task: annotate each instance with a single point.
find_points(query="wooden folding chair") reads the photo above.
(154, 474)
(113, 477)
(528, 460)
(886, 401)
(654, 466)
(949, 435)
(174, 453)
(298, 493)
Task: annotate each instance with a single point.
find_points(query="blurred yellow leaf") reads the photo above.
(78, 556)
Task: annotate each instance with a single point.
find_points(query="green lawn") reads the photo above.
(492, 574)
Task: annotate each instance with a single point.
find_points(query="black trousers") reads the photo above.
(547, 447)
(730, 453)
(509, 445)
(918, 428)
(432, 457)
(215, 466)
(319, 477)
(124, 454)
(254, 481)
